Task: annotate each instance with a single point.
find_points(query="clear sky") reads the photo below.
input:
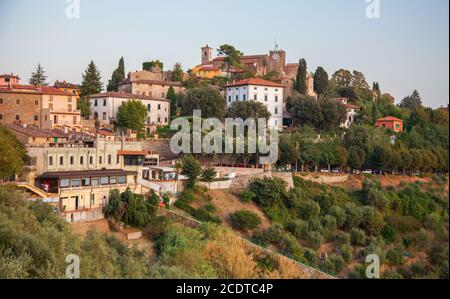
(407, 48)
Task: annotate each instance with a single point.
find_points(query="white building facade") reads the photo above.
(352, 112)
(268, 93)
(105, 106)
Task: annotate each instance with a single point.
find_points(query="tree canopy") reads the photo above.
(38, 77)
(132, 115)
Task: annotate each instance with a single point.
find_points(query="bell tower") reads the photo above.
(206, 54)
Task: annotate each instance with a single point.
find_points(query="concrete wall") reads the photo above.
(219, 185)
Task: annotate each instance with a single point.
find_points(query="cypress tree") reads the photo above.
(117, 76)
(300, 83)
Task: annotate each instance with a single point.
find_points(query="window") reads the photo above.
(109, 159)
(95, 103)
(159, 106)
(70, 99)
(163, 95)
(244, 97)
(61, 161)
(266, 98)
(50, 106)
(91, 160)
(50, 161)
(71, 160)
(18, 101)
(36, 117)
(276, 89)
(75, 183)
(149, 107)
(276, 110)
(122, 180)
(229, 99)
(100, 160)
(81, 160)
(65, 183)
(104, 180)
(85, 182)
(69, 107)
(95, 182)
(276, 99)
(237, 98)
(118, 159)
(92, 199)
(159, 120)
(17, 117)
(255, 97)
(1, 101)
(255, 88)
(104, 102)
(113, 181)
(397, 126)
(36, 102)
(104, 115)
(166, 119)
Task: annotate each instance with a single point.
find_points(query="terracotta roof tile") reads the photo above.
(255, 81)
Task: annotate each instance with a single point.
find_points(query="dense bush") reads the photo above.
(357, 237)
(245, 220)
(395, 257)
(247, 196)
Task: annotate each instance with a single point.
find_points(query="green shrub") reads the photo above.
(268, 191)
(311, 257)
(298, 228)
(210, 208)
(329, 223)
(247, 196)
(187, 196)
(245, 220)
(372, 222)
(314, 239)
(357, 237)
(389, 233)
(339, 214)
(274, 233)
(338, 262)
(342, 238)
(347, 253)
(403, 224)
(395, 257)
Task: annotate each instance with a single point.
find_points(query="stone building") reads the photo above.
(154, 83)
(41, 106)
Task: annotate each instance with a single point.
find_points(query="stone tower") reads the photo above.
(206, 54)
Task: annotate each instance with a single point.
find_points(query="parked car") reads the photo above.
(367, 171)
(336, 171)
(324, 171)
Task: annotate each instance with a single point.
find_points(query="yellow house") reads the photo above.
(68, 87)
(206, 71)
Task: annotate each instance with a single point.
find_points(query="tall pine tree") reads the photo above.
(300, 83)
(117, 76)
(38, 77)
(92, 84)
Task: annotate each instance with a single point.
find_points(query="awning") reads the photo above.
(133, 153)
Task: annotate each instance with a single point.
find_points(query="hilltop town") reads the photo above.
(357, 171)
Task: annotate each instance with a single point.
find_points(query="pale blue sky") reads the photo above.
(407, 48)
